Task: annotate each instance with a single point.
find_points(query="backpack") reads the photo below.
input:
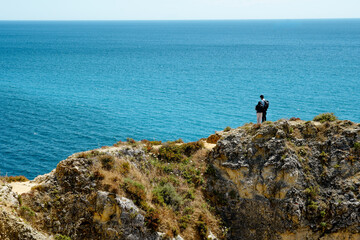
(266, 105)
(259, 107)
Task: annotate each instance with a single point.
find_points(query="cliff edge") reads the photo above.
(288, 179)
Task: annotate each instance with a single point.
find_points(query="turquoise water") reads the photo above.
(67, 87)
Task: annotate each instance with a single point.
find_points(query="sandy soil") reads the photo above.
(22, 187)
(209, 145)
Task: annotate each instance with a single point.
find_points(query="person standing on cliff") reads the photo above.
(259, 111)
(265, 104)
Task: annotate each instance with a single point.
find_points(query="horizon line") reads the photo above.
(224, 19)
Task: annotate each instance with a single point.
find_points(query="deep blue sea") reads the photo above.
(70, 86)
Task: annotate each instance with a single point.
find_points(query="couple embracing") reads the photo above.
(261, 109)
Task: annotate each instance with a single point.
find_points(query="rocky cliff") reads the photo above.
(288, 179)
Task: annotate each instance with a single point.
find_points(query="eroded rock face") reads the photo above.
(8, 196)
(12, 227)
(282, 180)
(272, 181)
(71, 205)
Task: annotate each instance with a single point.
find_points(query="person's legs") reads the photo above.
(263, 116)
(259, 117)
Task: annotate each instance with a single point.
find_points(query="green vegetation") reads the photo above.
(107, 161)
(152, 219)
(312, 192)
(184, 221)
(202, 227)
(178, 141)
(192, 175)
(177, 152)
(124, 167)
(357, 148)
(167, 194)
(323, 213)
(313, 206)
(27, 213)
(40, 188)
(61, 237)
(227, 129)
(131, 141)
(324, 157)
(135, 189)
(10, 179)
(325, 117)
(88, 155)
(169, 183)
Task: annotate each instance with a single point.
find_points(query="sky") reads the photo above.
(176, 9)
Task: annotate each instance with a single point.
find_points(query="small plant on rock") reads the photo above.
(107, 161)
(124, 167)
(10, 179)
(167, 194)
(202, 227)
(324, 157)
(61, 237)
(27, 213)
(227, 129)
(135, 189)
(152, 219)
(312, 192)
(357, 148)
(325, 117)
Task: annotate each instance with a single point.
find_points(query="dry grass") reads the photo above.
(9, 179)
(191, 203)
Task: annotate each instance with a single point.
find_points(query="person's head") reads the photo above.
(262, 97)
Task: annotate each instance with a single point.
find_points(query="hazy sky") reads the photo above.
(176, 9)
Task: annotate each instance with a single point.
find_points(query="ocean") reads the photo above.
(70, 86)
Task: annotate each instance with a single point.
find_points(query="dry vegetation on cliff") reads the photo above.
(288, 179)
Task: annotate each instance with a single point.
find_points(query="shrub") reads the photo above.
(192, 175)
(210, 170)
(155, 142)
(135, 189)
(39, 188)
(125, 167)
(152, 219)
(325, 117)
(176, 153)
(227, 129)
(130, 140)
(97, 176)
(178, 141)
(202, 228)
(90, 154)
(312, 192)
(323, 224)
(190, 194)
(257, 125)
(184, 221)
(167, 194)
(10, 179)
(61, 237)
(357, 148)
(191, 147)
(323, 213)
(214, 138)
(312, 206)
(324, 157)
(107, 161)
(27, 213)
(171, 153)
